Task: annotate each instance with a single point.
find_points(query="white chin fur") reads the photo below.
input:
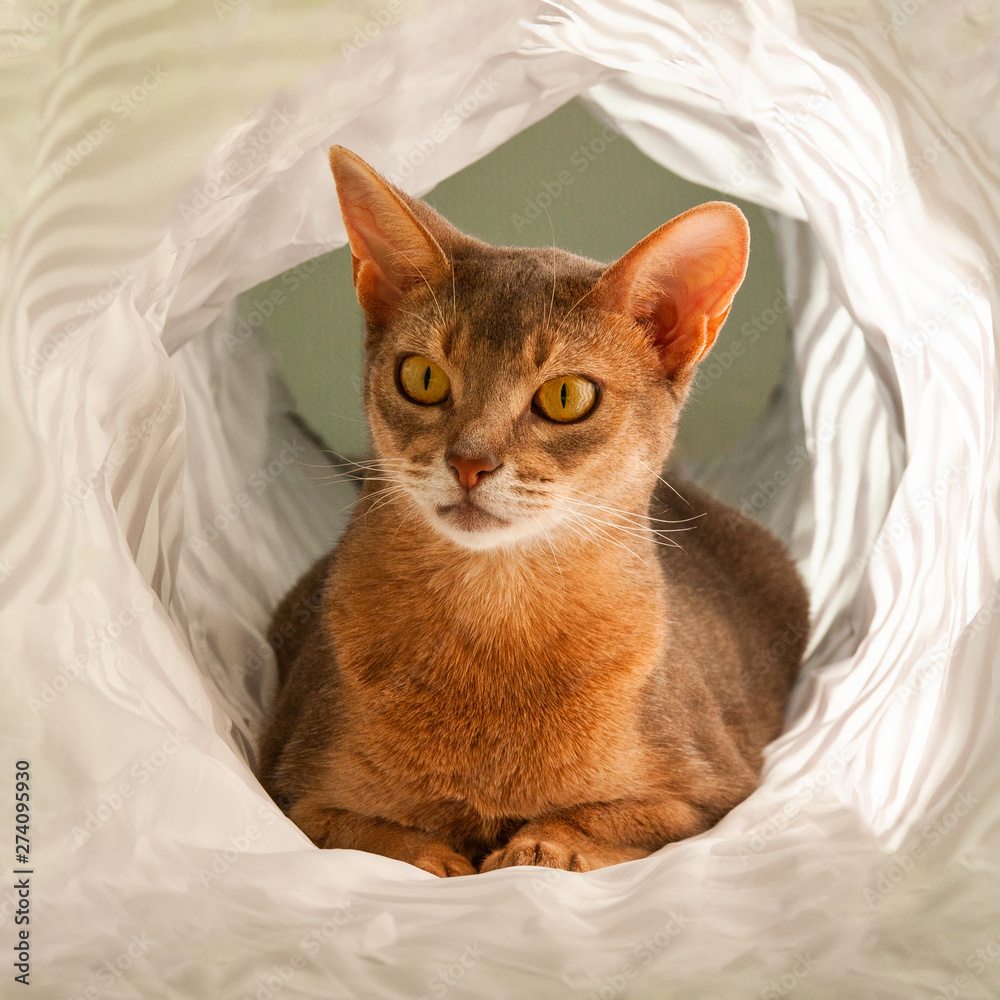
(490, 538)
(483, 539)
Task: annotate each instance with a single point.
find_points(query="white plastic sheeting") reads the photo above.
(157, 502)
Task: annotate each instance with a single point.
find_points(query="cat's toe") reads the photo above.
(441, 860)
(540, 852)
(553, 849)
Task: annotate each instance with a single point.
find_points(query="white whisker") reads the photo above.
(662, 480)
(644, 533)
(385, 496)
(548, 540)
(593, 527)
(368, 496)
(621, 510)
(409, 514)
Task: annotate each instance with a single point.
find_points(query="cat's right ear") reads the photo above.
(392, 250)
(679, 282)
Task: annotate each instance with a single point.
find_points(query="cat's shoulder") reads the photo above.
(298, 615)
(704, 529)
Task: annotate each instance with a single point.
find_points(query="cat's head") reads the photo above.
(513, 393)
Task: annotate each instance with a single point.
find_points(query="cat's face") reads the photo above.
(491, 345)
(518, 394)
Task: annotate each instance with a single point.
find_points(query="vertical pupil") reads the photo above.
(562, 395)
(427, 377)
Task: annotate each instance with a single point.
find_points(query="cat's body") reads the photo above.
(554, 659)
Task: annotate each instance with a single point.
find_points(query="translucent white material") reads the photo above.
(159, 502)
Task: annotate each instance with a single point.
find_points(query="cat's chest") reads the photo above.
(505, 748)
(512, 710)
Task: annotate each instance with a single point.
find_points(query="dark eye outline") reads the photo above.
(536, 409)
(402, 388)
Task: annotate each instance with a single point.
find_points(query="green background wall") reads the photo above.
(600, 196)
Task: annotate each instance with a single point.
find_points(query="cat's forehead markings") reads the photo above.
(448, 340)
(560, 340)
(543, 347)
(512, 304)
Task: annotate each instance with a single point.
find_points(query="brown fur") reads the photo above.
(573, 699)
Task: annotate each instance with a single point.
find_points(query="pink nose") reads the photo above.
(471, 471)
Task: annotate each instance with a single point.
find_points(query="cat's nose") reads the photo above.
(472, 471)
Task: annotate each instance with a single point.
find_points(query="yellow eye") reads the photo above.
(422, 380)
(567, 398)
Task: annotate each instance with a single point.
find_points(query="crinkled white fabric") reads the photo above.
(158, 500)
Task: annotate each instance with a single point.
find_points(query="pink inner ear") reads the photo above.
(665, 316)
(376, 293)
(680, 333)
(664, 320)
(681, 280)
(392, 250)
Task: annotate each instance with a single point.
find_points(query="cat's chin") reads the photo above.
(467, 516)
(475, 528)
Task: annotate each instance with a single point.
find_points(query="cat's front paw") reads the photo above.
(439, 859)
(558, 847)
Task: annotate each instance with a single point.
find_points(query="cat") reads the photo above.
(529, 648)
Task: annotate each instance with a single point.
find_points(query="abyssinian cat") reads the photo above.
(528, 648)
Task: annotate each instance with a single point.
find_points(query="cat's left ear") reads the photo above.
(392, 248)
(680, 281)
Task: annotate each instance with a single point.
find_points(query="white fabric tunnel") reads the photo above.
(135, 668)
